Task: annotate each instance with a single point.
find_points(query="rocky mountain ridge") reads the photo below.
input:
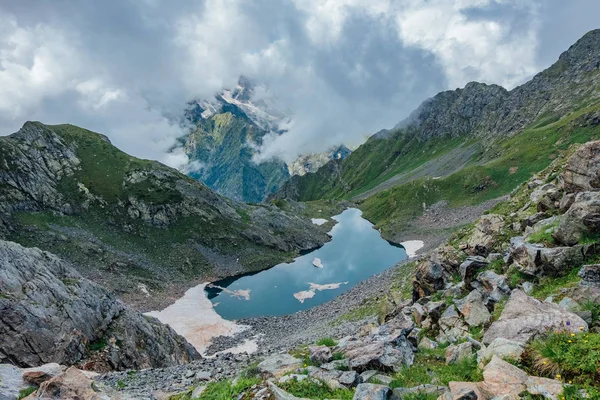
(478, 113)
(308, 163)
(69, 191)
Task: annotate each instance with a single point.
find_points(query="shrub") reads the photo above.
(327, 341)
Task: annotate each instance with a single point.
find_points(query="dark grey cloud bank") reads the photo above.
(343, 68)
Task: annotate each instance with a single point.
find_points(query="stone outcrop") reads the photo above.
(583, 218)
(524, 318)
(537, 260)
(582, 172)
(483, 238)
(49, 313)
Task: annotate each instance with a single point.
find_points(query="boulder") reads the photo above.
(320, 354)
(427, 344)
(418, 313)
(40, 374)
(502, 378)
(434, 310)
(367, 375)
(382, 379)
(548, 225)
(569, 304)
(549, 201)
(484, 235)
(547, 388)
(583, 218)
(533, 219)
(73, 384)
(448, 257)
(524, 317)
(464, 391)
(582, 171)
(473, 309)
(542, 191)
(330, 378)
(336, 365)
(537, 260)
(470, 268)
(369, 391)
(380, 355)
(460, 352)
(566, 202)
(11, 381)
(452, 327)
(280, 394)
(429, 278)
(279, 364)
(349, 378)
(493, 285)
(590, 275)
(503, 348)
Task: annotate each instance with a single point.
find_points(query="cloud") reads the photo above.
(343, 68)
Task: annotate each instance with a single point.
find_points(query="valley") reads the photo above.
(453, 257)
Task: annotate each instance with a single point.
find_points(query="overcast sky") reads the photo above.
(343, 68)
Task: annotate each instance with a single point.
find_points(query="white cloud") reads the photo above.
(344, 68)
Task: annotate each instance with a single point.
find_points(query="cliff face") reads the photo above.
(50, 313)
(69, 191)
(478, 113)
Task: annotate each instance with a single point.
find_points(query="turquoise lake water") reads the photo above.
(355, 253)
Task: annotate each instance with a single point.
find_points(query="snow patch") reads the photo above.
(412, 246)
(314, 288)
(317, 263)
(319, 221)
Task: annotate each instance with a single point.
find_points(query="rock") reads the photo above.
(427, 344)
(280, 394)
(502, 378)
(448, 257)
(454, 290)
(566, 202)
(413, 337)
(452, 327)
(533, 219)
(541, 191)
(40, 374)
(330, 378)
(536, 260)
(279, 364)
(568, 304)
(456, 353)
(464, 391)
(583, 218)
(483, 238)
(434, 310)
(53, 314)
(320, 354)
(11, 381)
(414, 392)
(493, 285)
(582, 171)
(548, 388)
(527, 287)
(336, 365)
(349, 378)
(524, 317)
(382, 379)
(549, 201)
(590, 275)
(367, 375)
(418, 312)
(470, 268)
(369, 391)
(429, 278)
(72, 384)
(203, 376)
(380, 355)
(473, 309)
(287, 378)
(503, 348)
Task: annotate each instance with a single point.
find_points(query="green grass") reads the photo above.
(486, 178)
(221, 390)
(551, 286)
(315, 389)
(97, 345)
(430, 367)
(327, 341)
(568, 357)
(25, 392)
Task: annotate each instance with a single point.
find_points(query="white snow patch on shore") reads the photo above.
(412, 246)
(319, 221)
(193, 317)
(314, 288)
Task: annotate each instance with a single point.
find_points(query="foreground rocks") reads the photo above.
(49, 313)
(524, 318)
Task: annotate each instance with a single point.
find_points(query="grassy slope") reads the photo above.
(506, 164)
